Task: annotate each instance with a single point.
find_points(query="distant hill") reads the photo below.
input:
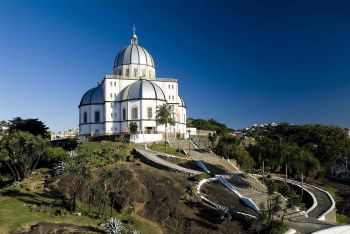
(210, 124)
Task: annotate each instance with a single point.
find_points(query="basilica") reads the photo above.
(131, 94)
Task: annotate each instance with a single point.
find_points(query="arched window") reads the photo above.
(149, 112)
(124, 114)
(85, 117)
(97, 116)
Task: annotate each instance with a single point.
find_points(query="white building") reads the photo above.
(131, 94)
(70, 133)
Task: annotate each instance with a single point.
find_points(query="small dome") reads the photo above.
(93, 96)
(143, 89)
(181, 102)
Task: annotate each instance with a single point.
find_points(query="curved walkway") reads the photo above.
(150, 157)
(323, 204)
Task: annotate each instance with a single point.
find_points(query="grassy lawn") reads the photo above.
(16, 209)
(160, 147)
(343, 219)
(19, 207)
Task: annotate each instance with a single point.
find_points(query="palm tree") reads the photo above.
(304, 163)
(165, 116)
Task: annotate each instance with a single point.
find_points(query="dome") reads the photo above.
(133, 54)
(181, 102)
(93, 96)
(143, 89)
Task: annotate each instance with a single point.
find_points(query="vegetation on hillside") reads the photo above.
(167, 150)
(317, 148)
(84, 177)
(230, 147)
(298, 150)
(211, 125)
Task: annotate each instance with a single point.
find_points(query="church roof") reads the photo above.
(93, 96)
(133, 54)
(143, 89)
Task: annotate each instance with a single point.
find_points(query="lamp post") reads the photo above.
(189, 142)
(346, 165)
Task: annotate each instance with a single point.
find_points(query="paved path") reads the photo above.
(149, 155)
(307, 224)
(323, 201)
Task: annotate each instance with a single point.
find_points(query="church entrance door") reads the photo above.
(150, 130)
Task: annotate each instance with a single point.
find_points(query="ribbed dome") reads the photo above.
(93, 96)
(143, 89)
(133, 54)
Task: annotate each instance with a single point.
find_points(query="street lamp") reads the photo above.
(189, 142)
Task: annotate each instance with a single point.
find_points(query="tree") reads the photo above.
(67, 144)
(304, 163)
(53, 156)
(3, 126)
(80, 173)
(211, 125)
(106, 176)
(212, 139)
(33, 126)
(243, 159)
(21, 152)
(293, 200)
(266, 222)
(121, 179)
(165, 116)
(133, 129)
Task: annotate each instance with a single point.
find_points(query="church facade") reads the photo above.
(131, 94)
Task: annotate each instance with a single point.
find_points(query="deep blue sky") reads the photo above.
(240, 62)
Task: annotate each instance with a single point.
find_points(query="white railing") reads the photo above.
(166, 79)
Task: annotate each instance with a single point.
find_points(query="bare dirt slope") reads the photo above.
(166, 198)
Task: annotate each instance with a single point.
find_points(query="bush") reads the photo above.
(103, 153)
(53, 156)
(199, 177)
(67, 144)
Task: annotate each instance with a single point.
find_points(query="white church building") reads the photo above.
(131, 94)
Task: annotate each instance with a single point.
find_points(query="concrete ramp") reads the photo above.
(246, 200)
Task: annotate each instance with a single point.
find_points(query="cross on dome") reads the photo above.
(133, 29)
(133, 37)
